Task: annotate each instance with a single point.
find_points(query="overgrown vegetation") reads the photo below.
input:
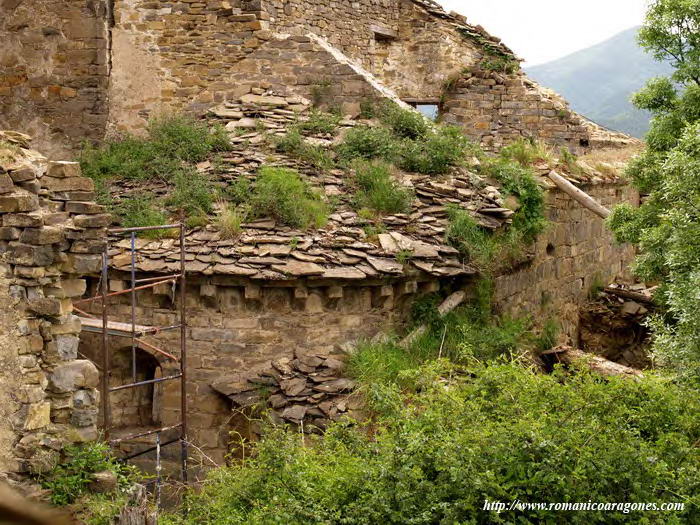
(406, 139)
(487, 250)
(168, 153)
(142, 210)
(666, 227)
(378, 190)
(281, 193)
(293, 143)
(69, 480)
(469, 434)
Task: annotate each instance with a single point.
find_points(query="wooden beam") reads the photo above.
(449, 304)
(569, 355)
(579, 195)
(630, 294)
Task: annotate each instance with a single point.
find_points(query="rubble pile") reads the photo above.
(308, 388)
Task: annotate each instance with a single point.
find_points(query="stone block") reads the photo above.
(38, 416)
(8, 233)
(22, 175)
(28, 255)
(73, 375)
(6, 183)
(67, 288)
(68, 184)
(50, 306)
(63, 169)
(17, 202)
(101, 220)
(80, 264)
(41, 236)
(84, 208)
(23, 220)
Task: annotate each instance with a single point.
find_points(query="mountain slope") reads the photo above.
(598, 81)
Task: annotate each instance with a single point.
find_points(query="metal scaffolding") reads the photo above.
(135, 332)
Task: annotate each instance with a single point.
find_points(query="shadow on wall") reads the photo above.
(140, 406)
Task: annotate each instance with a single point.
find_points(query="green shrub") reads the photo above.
(519, 181)
(474, 242)
(293, 143)
(499, 433)
(405, 123)
(138, 211)
(185, 138)
(436, 153)
(69, 480)
(281, 193)
(238, 191)
(378, 190)
(367, 142)
(171, 141)
(319, 122)
(192, 193)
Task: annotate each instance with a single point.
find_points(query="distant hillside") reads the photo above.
(599, 81)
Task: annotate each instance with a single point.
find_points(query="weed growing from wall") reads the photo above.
(282, 194)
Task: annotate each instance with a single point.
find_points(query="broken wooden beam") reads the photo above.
(449, 304)
(579, 195)
(630, 294)
(568, 355)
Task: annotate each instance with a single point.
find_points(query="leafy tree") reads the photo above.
(667, 225)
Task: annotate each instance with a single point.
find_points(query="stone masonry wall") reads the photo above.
(307, 66)
(422, 52)
(54, 71)
(178, 56)
(50, 230)
(236, 327)
(575, 253)
(495, 109)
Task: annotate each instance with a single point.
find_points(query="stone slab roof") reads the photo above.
(342, 250)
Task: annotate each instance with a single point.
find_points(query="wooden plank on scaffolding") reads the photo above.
(115, 328)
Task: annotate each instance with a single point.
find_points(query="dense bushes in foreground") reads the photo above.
(492, 432)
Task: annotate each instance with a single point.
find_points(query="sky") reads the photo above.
(543, 30)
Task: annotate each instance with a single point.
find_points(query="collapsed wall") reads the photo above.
(51, 230)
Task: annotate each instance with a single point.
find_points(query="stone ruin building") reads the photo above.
(276, 309)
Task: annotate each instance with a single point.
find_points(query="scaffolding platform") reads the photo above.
(116, 329)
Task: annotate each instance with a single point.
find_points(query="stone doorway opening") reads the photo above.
(135, 407)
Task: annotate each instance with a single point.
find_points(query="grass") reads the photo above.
(404, 123)
(519, 181)
(282, 194)
(143, 210)
(192, 193)
(378, 191)
(9, 152)
(293, 143)
(229, 221)
(436, 153)
(368, 142)
(168, 152)
(527, 152)
(319, 122)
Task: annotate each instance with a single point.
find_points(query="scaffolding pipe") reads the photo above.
(122, 292)
(144, 383)
(183, 350)
(144, 434)
(106, 416)
(133, 307)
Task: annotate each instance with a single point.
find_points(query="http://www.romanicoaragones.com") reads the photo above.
(625, 508)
